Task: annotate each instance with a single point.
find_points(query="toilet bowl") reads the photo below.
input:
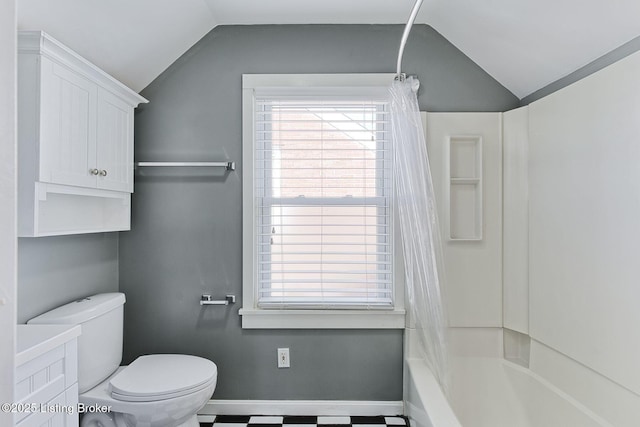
(154, 391)
(158, 390)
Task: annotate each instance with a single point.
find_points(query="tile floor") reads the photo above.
(305, 421)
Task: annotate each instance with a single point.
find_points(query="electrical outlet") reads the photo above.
(283, 358)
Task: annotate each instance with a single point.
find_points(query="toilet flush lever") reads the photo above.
(206, 299)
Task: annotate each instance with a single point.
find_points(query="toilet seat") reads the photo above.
(162, 376)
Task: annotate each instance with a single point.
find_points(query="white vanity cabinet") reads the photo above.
(46, 376)
(75, 132)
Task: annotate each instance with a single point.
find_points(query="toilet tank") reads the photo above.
(100, 344)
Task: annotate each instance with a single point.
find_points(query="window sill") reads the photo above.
(322, 319)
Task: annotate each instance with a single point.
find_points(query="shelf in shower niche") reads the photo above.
(465, 181)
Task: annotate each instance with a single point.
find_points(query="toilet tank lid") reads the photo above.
(81, 310)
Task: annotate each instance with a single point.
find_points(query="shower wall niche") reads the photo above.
(464, 160)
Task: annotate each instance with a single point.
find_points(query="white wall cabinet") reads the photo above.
(75, 131)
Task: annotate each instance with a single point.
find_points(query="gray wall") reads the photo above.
(186, 231)
(56, 270)
(605, 60)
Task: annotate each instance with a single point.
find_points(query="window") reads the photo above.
(318, 202)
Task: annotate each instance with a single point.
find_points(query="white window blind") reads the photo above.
(323, 200)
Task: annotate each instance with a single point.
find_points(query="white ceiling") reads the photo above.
(524, 44)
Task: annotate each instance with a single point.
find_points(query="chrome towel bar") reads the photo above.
(206, 299)
(230, 166)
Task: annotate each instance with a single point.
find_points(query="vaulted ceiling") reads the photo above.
(524, 44)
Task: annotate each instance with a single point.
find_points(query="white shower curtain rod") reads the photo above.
(405, 36)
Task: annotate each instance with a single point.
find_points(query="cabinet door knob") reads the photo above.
(94, 171)
(103, 172)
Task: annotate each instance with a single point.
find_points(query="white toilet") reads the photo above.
(160, 390)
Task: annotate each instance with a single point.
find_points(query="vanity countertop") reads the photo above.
(34, 340)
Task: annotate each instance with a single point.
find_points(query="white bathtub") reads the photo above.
(490, 392)
(424, 403)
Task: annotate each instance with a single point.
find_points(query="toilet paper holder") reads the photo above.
(206, 299)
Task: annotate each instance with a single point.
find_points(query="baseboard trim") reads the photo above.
(302, 407)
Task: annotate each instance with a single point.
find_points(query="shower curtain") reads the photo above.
(419, 227)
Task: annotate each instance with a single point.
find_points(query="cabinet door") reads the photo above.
(68, 123)
(114, 143)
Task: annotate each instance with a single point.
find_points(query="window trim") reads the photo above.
(257, 318)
